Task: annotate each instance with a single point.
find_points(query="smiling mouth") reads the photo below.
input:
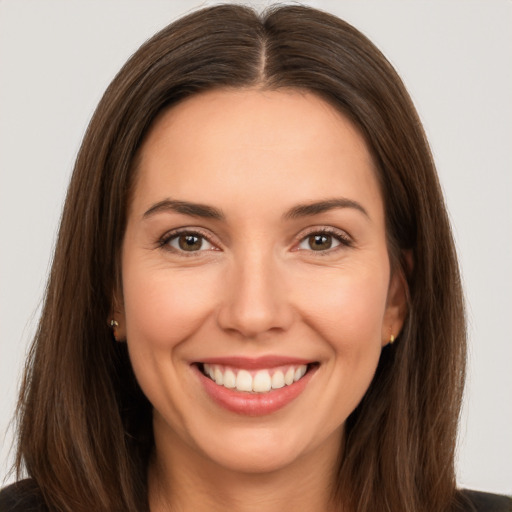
(258, 381)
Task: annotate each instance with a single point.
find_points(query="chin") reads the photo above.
(262, 448)
(259, 459)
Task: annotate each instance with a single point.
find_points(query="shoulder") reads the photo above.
(22, 496)
(477, 501)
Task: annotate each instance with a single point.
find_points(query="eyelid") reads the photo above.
(163, 241)
(344, 239)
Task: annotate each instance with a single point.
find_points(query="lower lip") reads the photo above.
(254, 404)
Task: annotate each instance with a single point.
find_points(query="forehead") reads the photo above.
(288, 144)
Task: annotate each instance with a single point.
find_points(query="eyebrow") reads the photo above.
(186, 208)
(310, 209)
(210, 212)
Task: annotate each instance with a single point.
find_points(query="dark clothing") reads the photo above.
(24, 496)
(476, 501)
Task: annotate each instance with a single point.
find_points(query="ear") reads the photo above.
(397, 302)
(116, 319)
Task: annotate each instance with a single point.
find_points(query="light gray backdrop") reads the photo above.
(56, 58)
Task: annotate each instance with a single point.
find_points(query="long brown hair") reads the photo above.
(85, 432)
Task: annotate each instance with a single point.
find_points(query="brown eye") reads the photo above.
(320, 242)
(189, 242)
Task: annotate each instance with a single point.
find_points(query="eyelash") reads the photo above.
(164, 241)
(340, 236)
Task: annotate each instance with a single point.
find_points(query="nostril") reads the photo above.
(252, 309)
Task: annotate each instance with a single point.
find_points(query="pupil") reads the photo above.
(190, 242)
(320, 242)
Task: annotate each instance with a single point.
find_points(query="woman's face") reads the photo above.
(255, 250)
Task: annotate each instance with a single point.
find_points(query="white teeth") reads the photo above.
(289, 375)
(278, 380)
(244, 381)
(229, 379)
(218, 376)
(261, 382)
(299, 372)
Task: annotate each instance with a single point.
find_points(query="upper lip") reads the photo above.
(252, 363)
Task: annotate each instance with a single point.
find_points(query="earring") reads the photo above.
(391, 339)
(114, 324)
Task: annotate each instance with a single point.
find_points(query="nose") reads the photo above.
(255, 299)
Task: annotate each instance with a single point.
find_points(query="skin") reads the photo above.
(255, 287)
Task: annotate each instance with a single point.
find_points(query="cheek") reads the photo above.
(347, 307)
(349, 315)
(344, 310)
(163, 307)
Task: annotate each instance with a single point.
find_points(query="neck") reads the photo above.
(185, 481)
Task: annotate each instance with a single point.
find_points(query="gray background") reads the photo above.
(56, 58)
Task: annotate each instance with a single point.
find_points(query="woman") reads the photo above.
(253, 268)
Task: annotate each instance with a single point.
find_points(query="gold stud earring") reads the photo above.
(391, 339)
(114, 324)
